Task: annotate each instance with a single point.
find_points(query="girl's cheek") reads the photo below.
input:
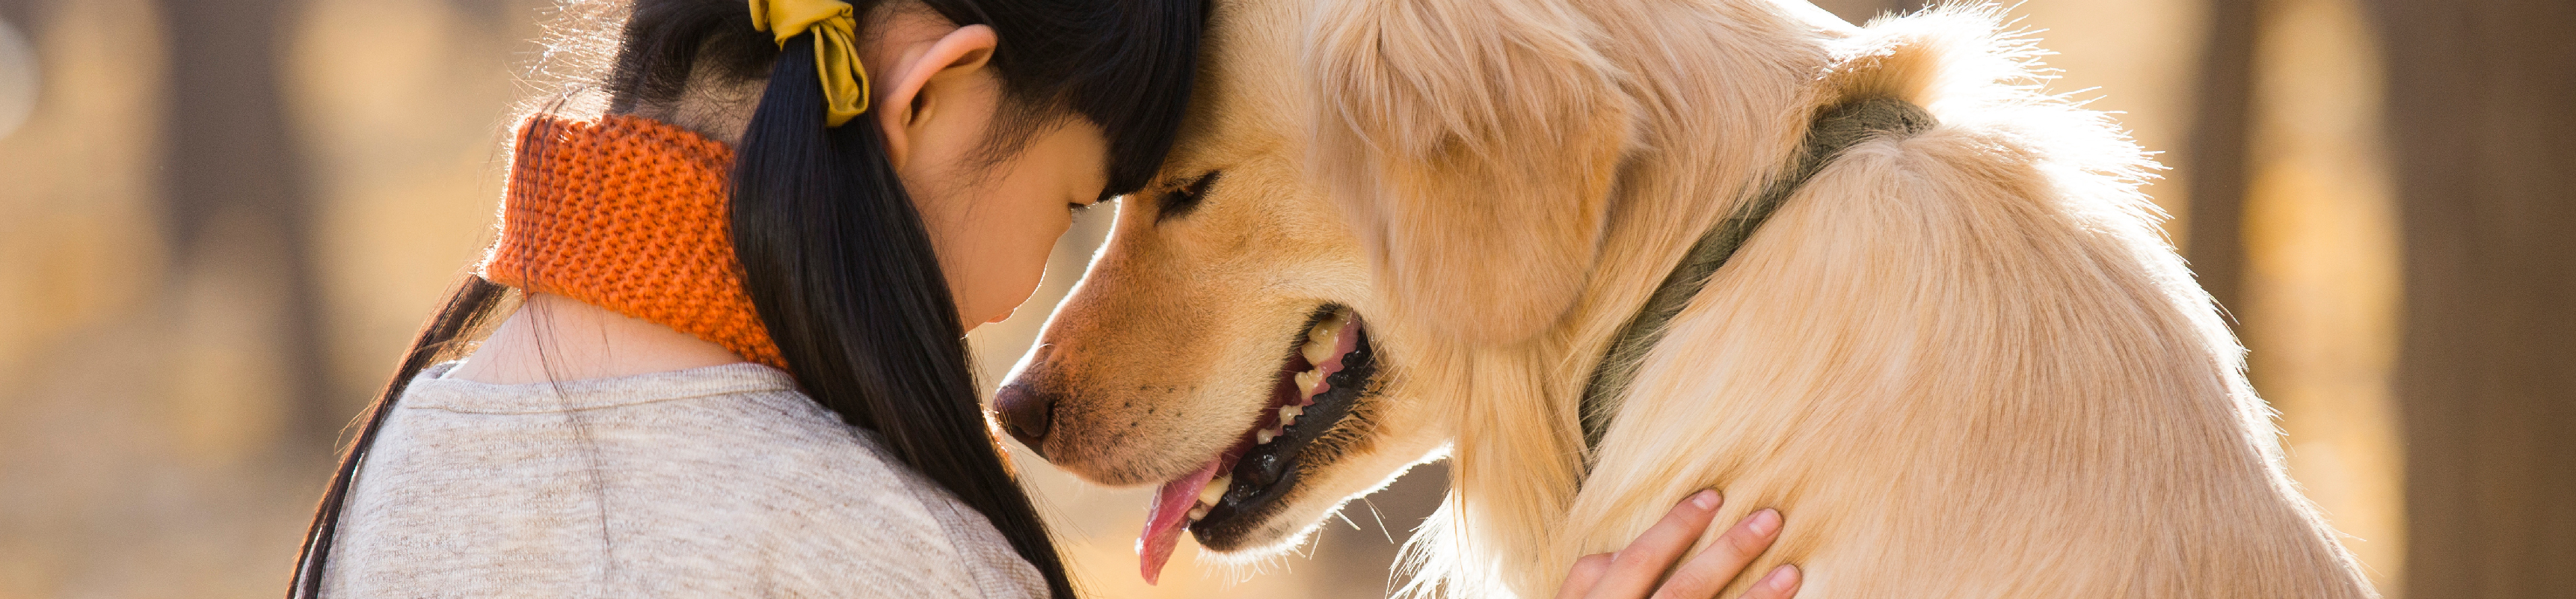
(1006, 278)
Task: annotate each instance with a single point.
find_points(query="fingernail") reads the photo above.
(1763, 522)
(1706, 500)
(1781, 578)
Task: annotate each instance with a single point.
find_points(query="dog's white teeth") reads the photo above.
(1317, 350)
(1324, 332)
(1310, 382)
(1288, 415)
(1198, 513)
(1263, 436)
(1215, 490)
(1327, 332)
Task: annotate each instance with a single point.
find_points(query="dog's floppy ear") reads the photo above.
(1472, 145)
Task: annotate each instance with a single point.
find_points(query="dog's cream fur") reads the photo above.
(1963, 363)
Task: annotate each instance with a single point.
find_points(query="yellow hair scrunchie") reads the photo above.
(836, 49)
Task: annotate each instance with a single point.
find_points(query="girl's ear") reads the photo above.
(1472, 145)
(924, 78)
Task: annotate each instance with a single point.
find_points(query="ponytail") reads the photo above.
(841, 269)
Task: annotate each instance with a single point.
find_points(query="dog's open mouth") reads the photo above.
(1327, 368)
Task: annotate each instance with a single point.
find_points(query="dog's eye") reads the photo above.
(1179, 202)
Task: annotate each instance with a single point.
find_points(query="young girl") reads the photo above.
(735, 364)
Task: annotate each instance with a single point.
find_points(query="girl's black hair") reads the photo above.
(835, 257)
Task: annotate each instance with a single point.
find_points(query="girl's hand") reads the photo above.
(1635, 572)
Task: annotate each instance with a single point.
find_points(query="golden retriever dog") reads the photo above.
(1959, 357)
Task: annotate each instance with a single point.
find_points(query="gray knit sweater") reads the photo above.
(711, 482)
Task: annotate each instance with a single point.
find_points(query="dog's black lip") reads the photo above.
(1249, 499)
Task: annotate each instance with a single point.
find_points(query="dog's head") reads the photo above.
(1356, 186)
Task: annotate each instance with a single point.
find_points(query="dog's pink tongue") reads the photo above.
(1168, 517)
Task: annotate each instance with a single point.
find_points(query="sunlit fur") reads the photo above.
(1963, 364)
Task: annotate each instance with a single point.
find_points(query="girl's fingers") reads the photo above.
(1633, 572)
(1587, 572)
(1708, 573)
(1779, 584)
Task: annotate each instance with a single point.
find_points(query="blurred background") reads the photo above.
(221, 220)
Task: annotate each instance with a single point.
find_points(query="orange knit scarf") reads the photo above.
(632, 215)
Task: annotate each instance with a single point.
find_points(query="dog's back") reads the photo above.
(1963, 362)
(1966, 364)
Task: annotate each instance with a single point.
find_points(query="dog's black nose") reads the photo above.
(1025, 413)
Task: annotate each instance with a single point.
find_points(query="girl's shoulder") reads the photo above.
(709, 480)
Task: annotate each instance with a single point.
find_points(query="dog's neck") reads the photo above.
(1835, 130)
(1713, 133)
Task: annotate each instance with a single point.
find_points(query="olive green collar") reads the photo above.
(1835, 130)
